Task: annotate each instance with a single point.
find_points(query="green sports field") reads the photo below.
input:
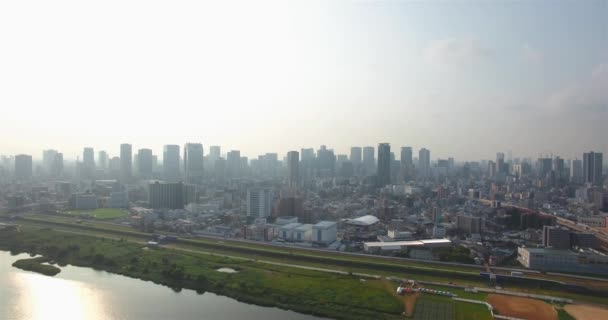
(101, 214)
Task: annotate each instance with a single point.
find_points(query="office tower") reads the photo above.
(468, 224)
(233, 163)
(171, 163)
(326, 162)
(492, 169)
(293, 170)
(576, 171)
(102, 159)
(307, 162)
(556, 237)
(215, 152)
(369, 161)
(57, 165)
(145, 165)
(356, 156)
(500, 163)
(126, 162)
(259, 202)
(545, 165)
(23, 167)
(193, 163)
(592, 168)
(164, 195)
(48, 156)
(558, 169)
(424, 161)
(384, 164)
(406, 156)
(88, 163)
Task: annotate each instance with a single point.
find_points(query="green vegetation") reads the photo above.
(418, 270)
(472, 311)
(564, 315)
(101, 213)
(36, 265)
(455, 254)
(434, 308)
(319, 293)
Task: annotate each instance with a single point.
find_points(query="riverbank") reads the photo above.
(37, 265)
(305, 291)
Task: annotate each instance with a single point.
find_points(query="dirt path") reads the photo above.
(586, 312)
(524, 308)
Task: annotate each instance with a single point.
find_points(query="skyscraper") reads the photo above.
(293, 170)
(88, 163)
(145, 163)
(592, 168)
(193, 163)
(23, 167)
(48, 156)
(369, 161)
(233, 163)
(406, 156)
(171, 163)
(500, 163)
(259, 202)
(355, 156)
(384, 164)
(102, 159)
(576, 171)
(126, 162)
(424, 161)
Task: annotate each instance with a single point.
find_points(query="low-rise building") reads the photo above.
(325, 232)
(563, 260)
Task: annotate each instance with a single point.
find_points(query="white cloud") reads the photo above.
(531, 54)
(589, 95)
(456, 51)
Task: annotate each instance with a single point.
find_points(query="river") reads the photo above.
(83, 293)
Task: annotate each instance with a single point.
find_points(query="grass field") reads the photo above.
(434, 308)
(404, 269)
(472, 311)
(101, 213)
(319, 293)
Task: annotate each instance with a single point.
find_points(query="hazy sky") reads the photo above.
(462, 78)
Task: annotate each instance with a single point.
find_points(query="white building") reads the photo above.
(259, 202)
(303, 233)
(287, 231)
(325, 232)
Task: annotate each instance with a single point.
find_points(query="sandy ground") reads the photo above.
(586, 312)
(409, 300)
(524, 308)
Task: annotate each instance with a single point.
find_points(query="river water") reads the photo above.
(83, 293)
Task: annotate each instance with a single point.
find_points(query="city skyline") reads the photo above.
(459, 79)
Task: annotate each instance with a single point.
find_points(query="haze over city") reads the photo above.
(464, 78)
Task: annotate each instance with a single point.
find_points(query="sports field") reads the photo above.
(523, 308)
(101, 213)
(586, 312)
(434, 308)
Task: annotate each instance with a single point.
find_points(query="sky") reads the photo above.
(464, 79)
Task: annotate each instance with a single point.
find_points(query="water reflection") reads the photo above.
(86, 294)
(41, 298)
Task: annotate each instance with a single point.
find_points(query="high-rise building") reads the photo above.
(88, 163)
(48, 156)
(556, 237)
(171, 161)
(102, 159)
(369, 161)
(468, 224)
(500, 163)
(293, 170)
(23, 167)
(356, 156)
(233, 163)
(384, 164)
(126, 162)
(163, 195)
(406, 156)
(57, 165)
(193, 163)
(592, 168)
(326, 162)
(259, 202)
(576, 171)
(545, 166)
(424, 161)
(145, 165)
